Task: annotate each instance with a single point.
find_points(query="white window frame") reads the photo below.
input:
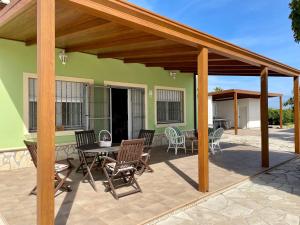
(157, 125)
(26, 77)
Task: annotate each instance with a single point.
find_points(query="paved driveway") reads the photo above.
(270, 198)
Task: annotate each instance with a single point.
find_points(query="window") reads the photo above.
(70, 105)
(169, 106)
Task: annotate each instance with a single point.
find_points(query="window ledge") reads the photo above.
(170, 125)
(57, 133)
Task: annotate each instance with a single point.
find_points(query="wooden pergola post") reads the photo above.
(202, 63)
(46, 111)
(296, 115)
(280, 112)
(236, 114)
(264, 124)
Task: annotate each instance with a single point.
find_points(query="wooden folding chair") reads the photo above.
(120, 172)
(148, 136)
(85, 140)
(60, 167)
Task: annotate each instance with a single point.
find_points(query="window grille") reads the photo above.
(169, 106)
(70, 105)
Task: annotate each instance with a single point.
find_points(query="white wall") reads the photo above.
(254, 113)
(210, 111)
(224, 109)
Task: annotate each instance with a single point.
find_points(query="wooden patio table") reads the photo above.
(97, 153)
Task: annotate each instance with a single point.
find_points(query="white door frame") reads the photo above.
(132, 85)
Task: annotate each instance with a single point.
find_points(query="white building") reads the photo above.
(238, 107)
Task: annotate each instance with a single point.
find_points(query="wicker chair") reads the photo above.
(62, 166)
(148, 136)
(214, 140)
(120, 172)
(176, 139)
(85, 140)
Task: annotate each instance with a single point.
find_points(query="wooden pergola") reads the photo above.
(120, 30)
(235, 94)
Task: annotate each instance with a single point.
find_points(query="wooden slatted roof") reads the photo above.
(229, 94)
(120, 30)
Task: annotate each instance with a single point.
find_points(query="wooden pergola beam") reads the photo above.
(46, 111)
(132, 16)
(172, 59)
(220, 73)
(235, 113)
(76, 27)
(296, 115)
(168, 59)
(175, 50)
(211, 68)
(124, 39)
(203, 120)
(264, 118)
(229, 64)
(13, 10)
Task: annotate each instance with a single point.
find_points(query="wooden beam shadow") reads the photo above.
(183, 175)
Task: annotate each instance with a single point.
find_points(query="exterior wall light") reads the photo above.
(173, 74)
(63, 57)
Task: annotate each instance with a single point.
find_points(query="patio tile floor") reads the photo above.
(173, 183)
(271, 198)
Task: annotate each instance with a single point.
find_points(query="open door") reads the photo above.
(119, 110)
(99, 108)
(136, 115)
(119, 106)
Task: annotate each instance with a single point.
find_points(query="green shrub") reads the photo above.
(274, 116)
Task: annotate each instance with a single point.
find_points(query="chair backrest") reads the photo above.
(171, 134)
(130, 153)
(218, 134)
(148, 136)
(85, 138)
(32, 148)
(178, 131)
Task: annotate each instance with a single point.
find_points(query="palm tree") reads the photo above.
(218, 89)
(295, 17)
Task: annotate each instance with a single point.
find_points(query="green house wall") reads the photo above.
(17, 59)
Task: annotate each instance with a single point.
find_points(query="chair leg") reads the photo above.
(136, 183)
(212, 148)
(193, 147)
(110, 183)
(145, 166)
(61, 181)
(219, 147)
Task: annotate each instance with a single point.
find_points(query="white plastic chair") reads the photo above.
(214, 140)
(176, 139)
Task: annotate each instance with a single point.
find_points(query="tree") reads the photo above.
(295, 17)
(289, 103)
(218, 89)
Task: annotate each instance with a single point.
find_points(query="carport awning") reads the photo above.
(229, 94)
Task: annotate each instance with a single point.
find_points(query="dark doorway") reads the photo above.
(119, 114)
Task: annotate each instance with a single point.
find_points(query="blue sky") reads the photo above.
(259, 25)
